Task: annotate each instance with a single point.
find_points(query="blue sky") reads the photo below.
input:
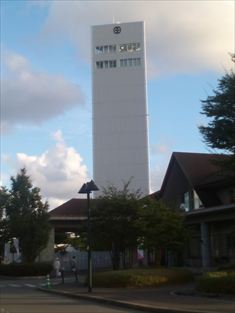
(46, 83)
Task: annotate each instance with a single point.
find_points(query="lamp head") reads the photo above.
(88, 187)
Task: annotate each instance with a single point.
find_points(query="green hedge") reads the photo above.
(217, 282)
(147, 277)
(23, 269)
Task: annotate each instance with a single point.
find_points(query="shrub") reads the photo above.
(147, 277)
(24, 269)
(217, 282)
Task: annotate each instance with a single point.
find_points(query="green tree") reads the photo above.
(113, 222)
(4, 235)
(27, 216)
(220, 109)
(4, 195)
(162, 228)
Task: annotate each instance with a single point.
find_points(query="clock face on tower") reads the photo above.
(117, 30)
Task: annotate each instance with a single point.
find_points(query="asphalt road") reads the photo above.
(18, 296)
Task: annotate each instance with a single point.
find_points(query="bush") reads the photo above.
(147, 277)
(24, 269)
(217, 282)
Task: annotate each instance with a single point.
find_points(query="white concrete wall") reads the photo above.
(120, 124)
(48, 254)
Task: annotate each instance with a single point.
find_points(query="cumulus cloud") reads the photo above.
(182, 36)
(59, 172)
(31, 97)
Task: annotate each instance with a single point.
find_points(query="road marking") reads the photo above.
(30, 285)
(14, 285)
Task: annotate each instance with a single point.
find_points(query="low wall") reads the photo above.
(100, 259)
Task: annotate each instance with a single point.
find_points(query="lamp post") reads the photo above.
(87, 188)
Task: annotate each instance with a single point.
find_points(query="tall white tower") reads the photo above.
(120, 125)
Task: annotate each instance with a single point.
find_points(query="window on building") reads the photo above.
(136, 61)
(129, 47)
(193, 198)
(99, 64)
(99, 49)
(130, 62)
(197, 201)
(123, 48)
(106, 64)
(186, 201)
(136, 46)
(105, 49)
(123, 62)
(112, 63)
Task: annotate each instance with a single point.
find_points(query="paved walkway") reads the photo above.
(167, 299)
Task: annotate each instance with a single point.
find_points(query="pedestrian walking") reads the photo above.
(74, 267)
(62, 269)
(57, 267)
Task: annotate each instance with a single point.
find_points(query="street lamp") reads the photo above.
(87, 188)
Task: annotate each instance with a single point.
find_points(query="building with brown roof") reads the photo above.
(195, 183)
(69, 215)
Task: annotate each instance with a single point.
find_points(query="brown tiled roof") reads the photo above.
(72, 208)
(200, 168)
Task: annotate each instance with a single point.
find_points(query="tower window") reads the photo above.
(105, 49)
(112, 63)
(130, 62)
(106, 64)
(99, 50)
(129, 47)
(99, 64)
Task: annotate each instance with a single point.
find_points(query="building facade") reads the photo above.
(119, 97)
(197, 186)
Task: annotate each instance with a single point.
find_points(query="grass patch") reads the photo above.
(217, 282)
(147, 277)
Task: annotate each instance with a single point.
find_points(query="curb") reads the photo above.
(130, 305)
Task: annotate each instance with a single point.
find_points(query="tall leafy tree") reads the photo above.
(4, 195)
(4, 235)
(220, 109)
(27, 216)
(113, 221)
(162, 228)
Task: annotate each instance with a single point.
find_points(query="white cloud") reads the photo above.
(59, 172)
(182, 36)
(30, 97)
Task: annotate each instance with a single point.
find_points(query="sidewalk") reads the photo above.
(167, 299)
